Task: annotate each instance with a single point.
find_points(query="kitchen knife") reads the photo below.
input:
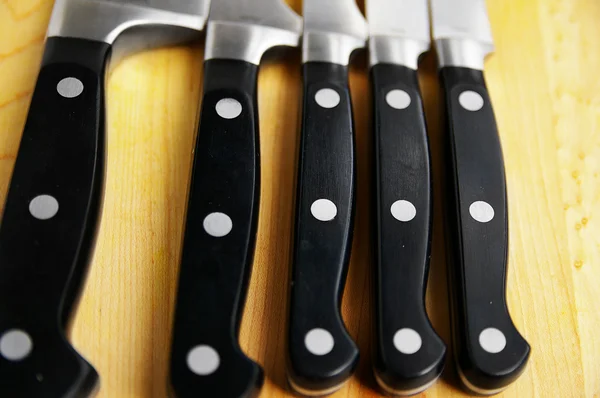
(489, 351)
(54, 199)
(221, 220)
(321, 353)
(408, 356)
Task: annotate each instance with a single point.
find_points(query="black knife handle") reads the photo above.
(489, 350)
(409, 355)
(322, 355)
(220, 234)
(49, 223)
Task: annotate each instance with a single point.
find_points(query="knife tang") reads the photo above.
(219, 239)
(49, 224)
(322, 355)
(489, 351)
(409, 355)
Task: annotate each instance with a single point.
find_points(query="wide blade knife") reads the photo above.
(408, 356)
(222, 213)
(321, 353)
(489, 351)
(53, 205)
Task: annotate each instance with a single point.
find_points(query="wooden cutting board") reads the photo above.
(546, 91)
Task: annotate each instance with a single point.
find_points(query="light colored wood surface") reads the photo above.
(546, 91)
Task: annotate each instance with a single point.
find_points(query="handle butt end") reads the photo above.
(399, 374)
(316, 376)
(315, 390)
(223, 372)
(486, 374)
(48, 370)
(404, 388)
(89, 381)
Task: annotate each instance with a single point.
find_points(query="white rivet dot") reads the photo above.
(327, 98)
(470, 100)
(70, 87)
(203, 360)
(323, 209)
(228, 108)
(407, 341)
(319, 341)
(217, 224)
(492, 340)
(398, 99)
(43, 207)
(403, 210)
(481, 211)
(15, 345)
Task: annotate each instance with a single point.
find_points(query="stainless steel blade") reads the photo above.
(462, 32)
(461, 19)
(332, 30)
(399, 31)
(246, 29)
(106, 20)
(399, 18)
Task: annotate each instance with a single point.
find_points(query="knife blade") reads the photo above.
(53, 204)
(321, 353)
(409, 356)
(489, 351)
(221, 220)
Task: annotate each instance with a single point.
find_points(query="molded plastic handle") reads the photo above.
(489, 350)
(49, 224)
(219, 240)
(322, 355)
(409, 355)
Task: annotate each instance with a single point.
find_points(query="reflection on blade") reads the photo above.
(271, 13)
(199, 7)
(105, 20)
(245, 29)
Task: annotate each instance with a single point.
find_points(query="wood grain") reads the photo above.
(543, 81)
